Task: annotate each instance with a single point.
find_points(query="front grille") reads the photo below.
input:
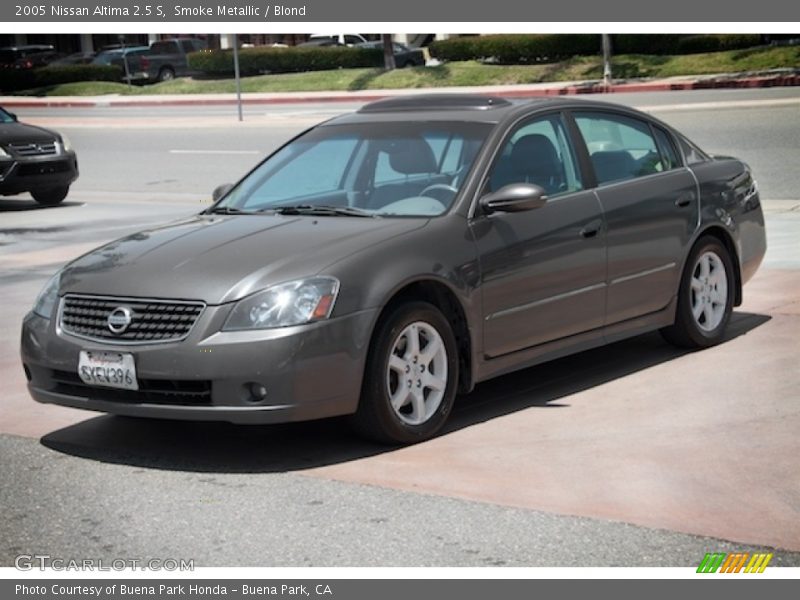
(33, 149)
(43, 168)
(151, 320)
(151, 391)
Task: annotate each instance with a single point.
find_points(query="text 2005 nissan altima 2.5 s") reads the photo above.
(384, 261)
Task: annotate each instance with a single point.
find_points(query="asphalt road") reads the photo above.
(634, 455)
(192, 149)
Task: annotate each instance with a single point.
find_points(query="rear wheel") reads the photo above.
(50, 196)
(166, 74)
(411, 377)
(705, 297)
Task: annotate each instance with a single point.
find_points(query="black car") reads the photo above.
(29, 56)
(403, 55)
(35, 160)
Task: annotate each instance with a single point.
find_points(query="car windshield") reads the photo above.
(376, 169)
(5, 117)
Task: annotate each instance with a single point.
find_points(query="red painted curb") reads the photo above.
(591, 88)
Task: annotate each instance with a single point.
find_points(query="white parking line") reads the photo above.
(214, 152)
(717, 105)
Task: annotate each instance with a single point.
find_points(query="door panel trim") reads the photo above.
(534, 304)
(644, 273)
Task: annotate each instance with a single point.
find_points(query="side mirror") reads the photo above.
(221, 191)
(514, 197)
(12, 115)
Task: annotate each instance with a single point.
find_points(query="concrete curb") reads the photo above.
(520, 91)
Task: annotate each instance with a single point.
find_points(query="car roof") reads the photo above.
(468, 107)
(30, 47)
(125, 49)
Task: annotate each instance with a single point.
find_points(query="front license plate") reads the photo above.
(108, 369)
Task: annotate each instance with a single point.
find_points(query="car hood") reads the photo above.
(14, 133)
(218, 259)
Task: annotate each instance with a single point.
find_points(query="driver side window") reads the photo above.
(538, 152)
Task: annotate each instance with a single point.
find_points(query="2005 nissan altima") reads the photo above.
(384, 261)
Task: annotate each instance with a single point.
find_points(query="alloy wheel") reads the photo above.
(416, 377)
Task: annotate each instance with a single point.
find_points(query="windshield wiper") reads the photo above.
(228, 210)
(322, 210)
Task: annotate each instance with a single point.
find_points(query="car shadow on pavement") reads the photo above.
(227, 448)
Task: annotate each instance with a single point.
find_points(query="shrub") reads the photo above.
(284, 60)
(694, 44)
(645, 43)
(13, 80)
(516, 49)
(524, 49)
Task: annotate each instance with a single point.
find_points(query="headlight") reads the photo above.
(48, 297)
(66, 145)
(286, 304)
(3, 153)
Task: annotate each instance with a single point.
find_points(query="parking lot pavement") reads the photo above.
(225, 496)
(703, 443)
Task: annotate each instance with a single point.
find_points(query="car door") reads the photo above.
(650, 204)
(543, 271)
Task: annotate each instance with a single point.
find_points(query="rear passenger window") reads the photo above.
(620, 147)
(692, 153)
(667, 149)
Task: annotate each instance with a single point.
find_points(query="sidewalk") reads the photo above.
(775, 78)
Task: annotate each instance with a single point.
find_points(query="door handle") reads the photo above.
(591, 230)
(684, 200)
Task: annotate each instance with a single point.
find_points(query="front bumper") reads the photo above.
(309, 371)
(18, 174)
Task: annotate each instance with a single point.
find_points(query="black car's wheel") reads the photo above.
(50, 196)
(705, 297)
(411, 377)
(166, 74)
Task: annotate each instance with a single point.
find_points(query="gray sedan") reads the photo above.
(384, 261)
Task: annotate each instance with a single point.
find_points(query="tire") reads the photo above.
(50, 196)
(416, 415)
(708, 280)
(166, 74)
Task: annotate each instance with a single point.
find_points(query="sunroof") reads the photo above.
(435, 102)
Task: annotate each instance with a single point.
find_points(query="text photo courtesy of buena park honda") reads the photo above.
(424, 300)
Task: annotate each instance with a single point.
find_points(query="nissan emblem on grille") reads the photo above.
(119, 319)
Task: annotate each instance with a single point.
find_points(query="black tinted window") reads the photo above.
(164, 48)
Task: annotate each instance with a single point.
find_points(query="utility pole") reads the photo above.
(388, 51)
(237, 74)
(606, 61)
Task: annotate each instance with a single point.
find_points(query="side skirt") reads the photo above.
(522, 359)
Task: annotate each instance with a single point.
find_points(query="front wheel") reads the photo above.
(705, 297)
(50, 196)
(411, 377)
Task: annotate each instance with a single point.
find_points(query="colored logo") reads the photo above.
(737, 562)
